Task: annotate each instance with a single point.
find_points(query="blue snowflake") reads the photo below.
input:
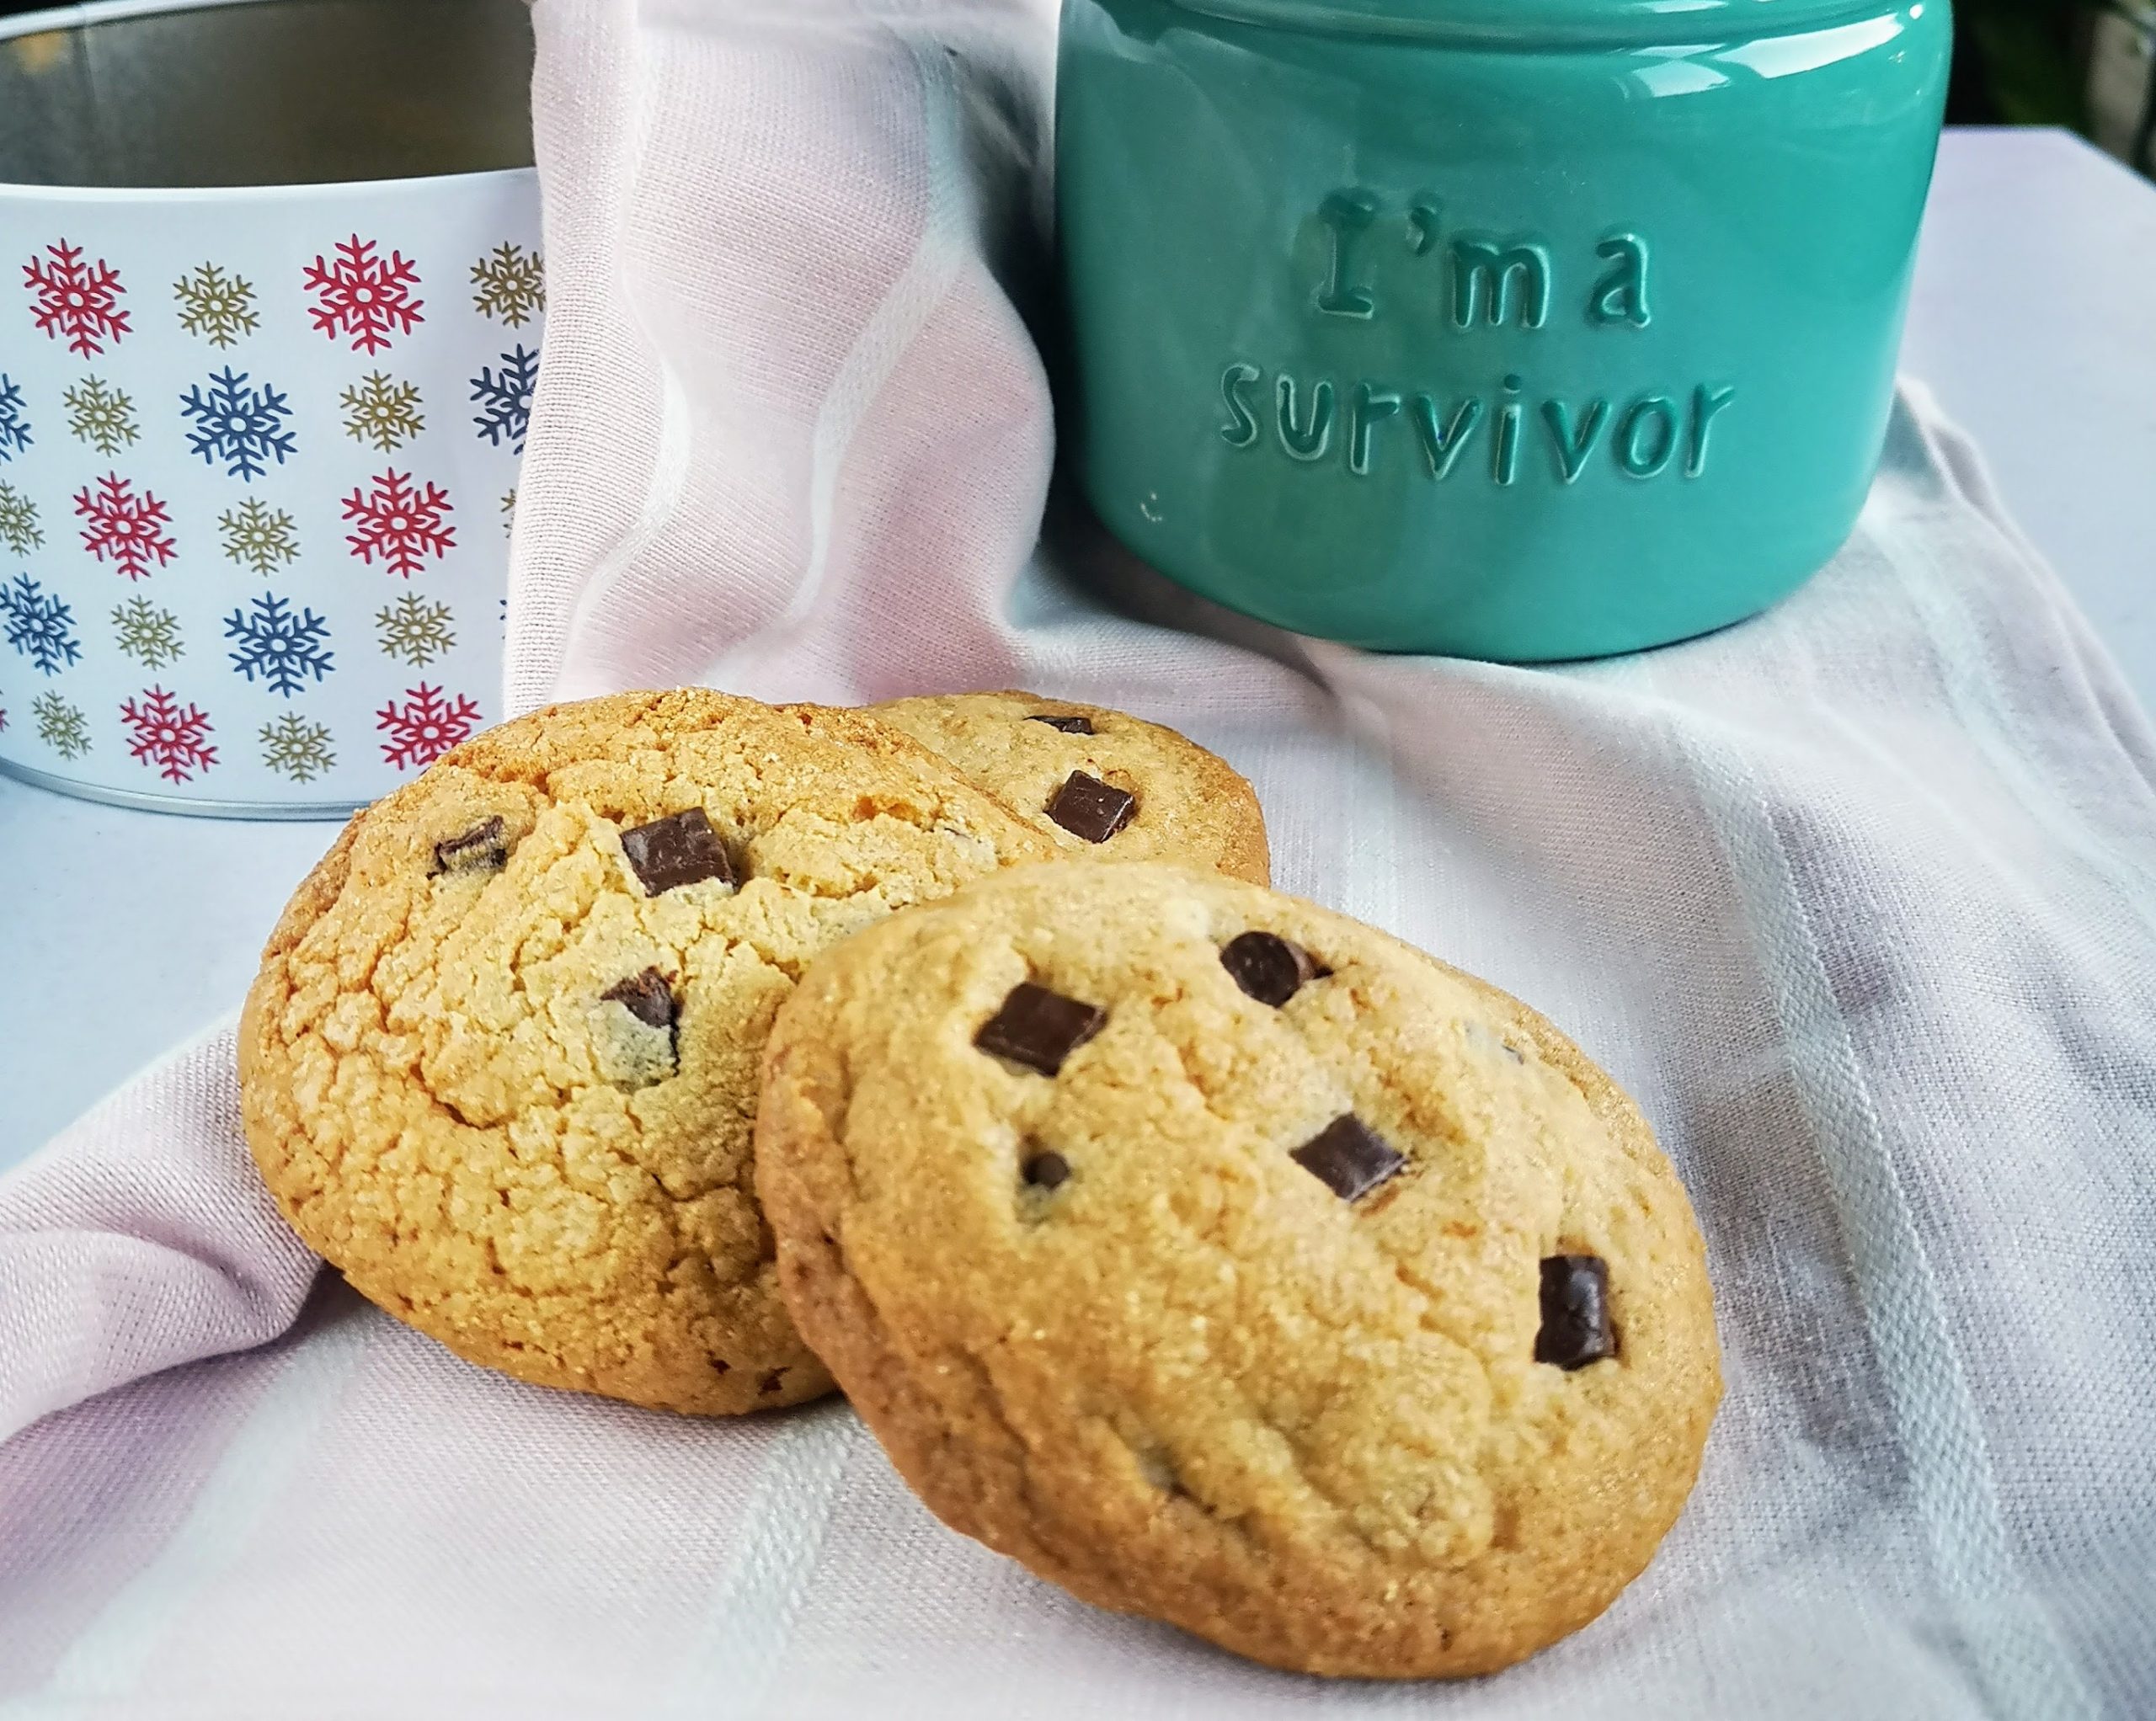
(508, 397)
(14, 428)
(284, 645)
(39, 627)
(240, 425)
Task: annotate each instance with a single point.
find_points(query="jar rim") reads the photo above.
(1542, 25)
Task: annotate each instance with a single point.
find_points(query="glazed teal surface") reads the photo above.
(1520, 330)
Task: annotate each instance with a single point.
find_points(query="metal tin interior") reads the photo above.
(255, 93)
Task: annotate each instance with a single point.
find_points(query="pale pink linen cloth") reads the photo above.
(1859, 899)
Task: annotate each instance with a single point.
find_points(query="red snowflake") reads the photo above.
(362, 296)
(424, 727)
(78, 300)
(400, 524)
(168, 735)
(125, 527)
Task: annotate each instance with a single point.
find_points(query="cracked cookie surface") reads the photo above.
(499, 1064)
(1186, 805)
(1225, 1260)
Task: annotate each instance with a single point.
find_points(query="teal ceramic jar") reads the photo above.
(1512, 329)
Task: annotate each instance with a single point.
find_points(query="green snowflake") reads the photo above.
(414, 632)
(149, 634)
(102, 417)
(511, 283)
(297, 749)
(18, 521)
(60, 726)
(218, 306)
(381, 411)
(258, 536)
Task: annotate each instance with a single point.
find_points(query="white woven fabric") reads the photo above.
(1859, 900)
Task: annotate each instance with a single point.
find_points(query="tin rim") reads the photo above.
(88, 12)
(293, 811)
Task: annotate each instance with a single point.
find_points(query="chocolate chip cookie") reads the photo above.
(1099, 783)
(1227, 1262)
(499, 1065)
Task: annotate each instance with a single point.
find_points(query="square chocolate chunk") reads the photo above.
(645, 996)
(1091, 809)
(1072, 724)
(1349, 1157)
(1576, 1329)
(483, 848)
(1269, 967)
(1039, 1028)
(680, 849)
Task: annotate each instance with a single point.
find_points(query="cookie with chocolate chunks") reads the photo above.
(1096, 782)
(499, 1065)
(1320, 1299)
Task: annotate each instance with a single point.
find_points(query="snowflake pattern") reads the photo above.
(362, 295)
(414, 632)
(294, 748)
(102, 417)
(39, 624)
(284, 645)
(18, 526)
(60, 726)
(14, 428)
(217, 306)
(169, 735)
(511, 283)
(509, 513)
(399, 524)
(425, 727)
(147, 634)
(75, 299)
(258, 536)
(381, 411)
(241, 426)
(124, 529)
(507, 397)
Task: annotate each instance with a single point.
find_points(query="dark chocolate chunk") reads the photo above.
(680, 849)
(1574, 1312)
(1268, 967)
(483, 848)
(1091, 809)
(1039, 1028)
(1045, 1170)
(1349, 1157)
(1071, 725)
(645, 996)
(771, 1383)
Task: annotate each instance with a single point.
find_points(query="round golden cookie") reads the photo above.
(1186, 805)
(499, 1065)
(1271, 1311)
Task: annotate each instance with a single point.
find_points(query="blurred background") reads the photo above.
(2088, 65)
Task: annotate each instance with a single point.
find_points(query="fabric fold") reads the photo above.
(140, 1238)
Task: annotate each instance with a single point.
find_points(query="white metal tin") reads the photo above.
(259, 445)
